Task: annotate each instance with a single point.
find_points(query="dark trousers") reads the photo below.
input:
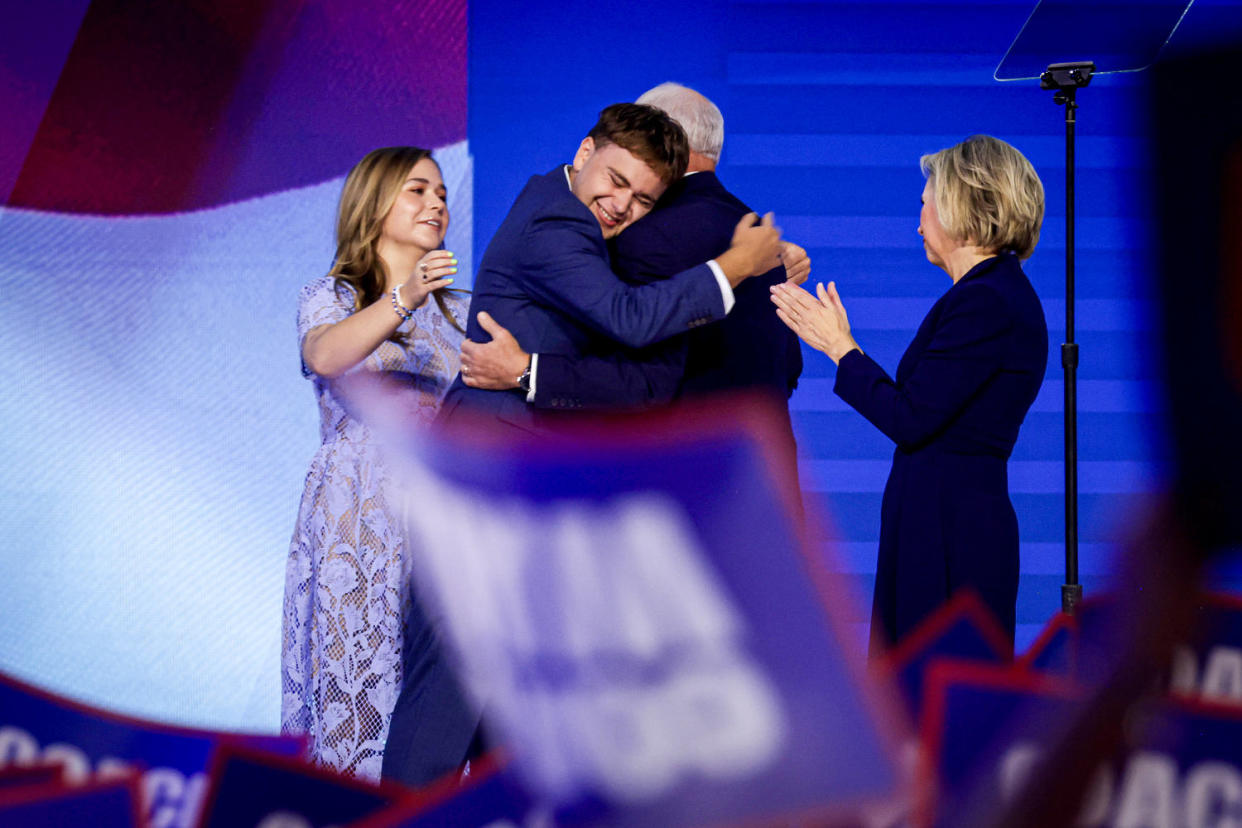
(434, 725)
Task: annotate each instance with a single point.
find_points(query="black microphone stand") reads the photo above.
(1067, 79)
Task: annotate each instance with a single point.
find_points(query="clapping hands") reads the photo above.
(820, 320)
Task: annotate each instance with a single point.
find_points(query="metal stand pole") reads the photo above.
(1067, 78)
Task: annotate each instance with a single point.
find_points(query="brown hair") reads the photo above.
(988, 194)
(647, 132)
(370, 190)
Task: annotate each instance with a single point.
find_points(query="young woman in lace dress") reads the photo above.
(366, 324)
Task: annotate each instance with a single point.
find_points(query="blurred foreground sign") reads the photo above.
(110, 804)
(253, 787)
(490, 796)
(1180, 762)
(1206, 664)
(634, 610)
(962, 628)
(37, 727)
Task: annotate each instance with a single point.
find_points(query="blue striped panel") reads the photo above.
(842, 434)
(1046, 152)
(899, 111)
(1025, 476)
(904, 272)
(1106, 396)
(1037, 558)
(856, 515)
(876, 314)
(860, 68)
(1106, 355)
(897, 28)
(1092, 232)
(829, 187)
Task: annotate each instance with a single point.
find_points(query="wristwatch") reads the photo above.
(523, 380)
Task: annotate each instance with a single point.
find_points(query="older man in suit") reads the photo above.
(545, 276)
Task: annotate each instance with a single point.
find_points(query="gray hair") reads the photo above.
(699, 117)
(988, 194)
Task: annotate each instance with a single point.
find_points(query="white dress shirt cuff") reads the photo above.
(726, 293)
(534, 367)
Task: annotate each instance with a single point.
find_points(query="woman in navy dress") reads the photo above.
(962, 389)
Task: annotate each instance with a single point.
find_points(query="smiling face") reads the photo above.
(615, 185)
(935, 240)
(419, 216)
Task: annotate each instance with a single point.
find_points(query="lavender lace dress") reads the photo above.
(345, 584)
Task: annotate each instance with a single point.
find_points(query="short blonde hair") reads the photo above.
(987, 194)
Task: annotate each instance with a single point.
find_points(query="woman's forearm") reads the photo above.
(331, 350)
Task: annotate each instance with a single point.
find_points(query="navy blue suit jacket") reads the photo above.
(962, 390)
(750, 349)
(546, 277)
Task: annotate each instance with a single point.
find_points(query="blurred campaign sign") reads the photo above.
(37, 727)
(490, 795)
(52, 773)
(1209, 664)
(110, 804)
(1182, 766)
(1206, 665)
(962, 628)
(252, 787)
(633, 607)
(1055, 649)
(981, 726)
(987, 728)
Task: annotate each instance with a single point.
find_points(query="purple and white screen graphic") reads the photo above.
(169, 176)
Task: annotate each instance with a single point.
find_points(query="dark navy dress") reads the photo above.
(962, 390)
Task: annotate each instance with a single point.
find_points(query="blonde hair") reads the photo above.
(370, 190)
(987, 194)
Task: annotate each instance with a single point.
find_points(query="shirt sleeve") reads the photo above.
(726, 289)
(534, 377)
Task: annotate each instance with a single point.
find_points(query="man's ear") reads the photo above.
(584, 152)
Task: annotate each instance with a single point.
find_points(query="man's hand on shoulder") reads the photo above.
(495, 365)
(756, 249)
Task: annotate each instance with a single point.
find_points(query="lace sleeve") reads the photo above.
(321, 303)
